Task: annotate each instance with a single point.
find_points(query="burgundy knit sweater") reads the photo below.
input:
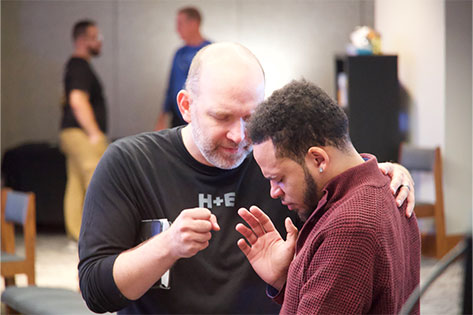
(357, 253)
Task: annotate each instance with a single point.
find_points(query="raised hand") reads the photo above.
(268, 254)
(190, 232)
(402, 184)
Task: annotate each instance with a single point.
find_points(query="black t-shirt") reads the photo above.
(79, 75)
(152, 176)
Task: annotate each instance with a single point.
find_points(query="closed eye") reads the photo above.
(220, 117)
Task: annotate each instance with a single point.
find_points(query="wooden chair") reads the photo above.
(424, 160)
(18, 208)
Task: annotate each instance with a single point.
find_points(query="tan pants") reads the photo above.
(81, 157)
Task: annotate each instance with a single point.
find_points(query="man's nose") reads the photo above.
(237, 131)
(275, 191)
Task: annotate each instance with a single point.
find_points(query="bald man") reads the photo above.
(196, 177)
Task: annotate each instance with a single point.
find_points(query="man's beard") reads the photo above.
(210, 152)
(310, 195)
(94, 51)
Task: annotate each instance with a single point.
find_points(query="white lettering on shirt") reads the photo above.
(208, 201)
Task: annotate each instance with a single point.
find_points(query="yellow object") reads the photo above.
(375, 41)
(81, 158)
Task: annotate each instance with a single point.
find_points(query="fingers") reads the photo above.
(402, 195)
(263, 219)
(247, 233)
(396, 182)
(400, 176)
(196, 213)
(291, 231)
(201, 219)
(191, 231)
(396, 177)
(213, 221)
(244, 247)
(411, 202)
(406, 193)
(252, 221)
(386, 168)
(402, 185)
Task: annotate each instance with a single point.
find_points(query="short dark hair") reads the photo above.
(296, 117)
(80, 28)
(192, 13)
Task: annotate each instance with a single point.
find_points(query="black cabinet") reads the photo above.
(368, 89)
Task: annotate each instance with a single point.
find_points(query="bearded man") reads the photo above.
(84, 121)
(356, 252)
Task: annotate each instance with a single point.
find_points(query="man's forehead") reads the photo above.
(265, 156)
(183, 16)
(223, 109)
(224, 86)
(92, 29)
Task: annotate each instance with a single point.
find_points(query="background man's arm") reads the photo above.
(79, 101)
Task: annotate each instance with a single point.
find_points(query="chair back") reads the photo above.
(18, 208)
(417, 159)
(428, 161)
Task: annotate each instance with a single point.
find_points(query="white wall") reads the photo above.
(435, 69)
(414, 30)
(458, 112)
(291, 38)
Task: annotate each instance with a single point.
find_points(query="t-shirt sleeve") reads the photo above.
(79, 76)
(340, 274)
(109, 226)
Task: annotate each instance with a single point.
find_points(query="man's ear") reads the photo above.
(184, 101)
(317, 158)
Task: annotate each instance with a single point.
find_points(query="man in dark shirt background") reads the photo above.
(84, 121)
(188, 22)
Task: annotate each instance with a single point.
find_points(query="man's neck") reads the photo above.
(81, 53)
(195, 40)
(342, 161)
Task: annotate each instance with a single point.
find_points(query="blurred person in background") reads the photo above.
(188, 23)
(84, 121)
